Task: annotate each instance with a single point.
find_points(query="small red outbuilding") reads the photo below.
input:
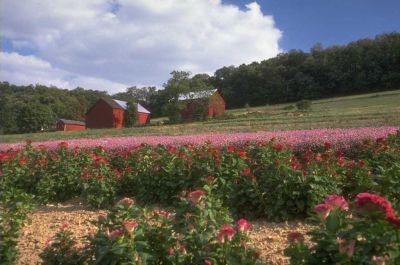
(109, 113)
(70, 125)
(213, 99)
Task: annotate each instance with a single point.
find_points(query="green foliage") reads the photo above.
(201, 230)
(361, 235)
(131, 114)
(63, 250)
(35, 117)
(304, 105)
(14, 208)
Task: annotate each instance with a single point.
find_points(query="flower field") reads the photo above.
(213, 186)
(335, 136)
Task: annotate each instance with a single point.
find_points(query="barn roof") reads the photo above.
(65, 121)
(197, 95)
(124, 105)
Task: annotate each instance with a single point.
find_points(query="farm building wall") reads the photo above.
(143, 118)
(74, 127)
(100, 116)
(216, 105)
(119, 119)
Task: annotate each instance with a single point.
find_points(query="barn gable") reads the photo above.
(196, 100)
(70, 125)
(109, 113)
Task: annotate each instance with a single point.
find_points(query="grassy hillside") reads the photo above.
(375, 109)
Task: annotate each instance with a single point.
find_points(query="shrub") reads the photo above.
(366, 233)
(304, 104)
(14, 207)
(201, 231)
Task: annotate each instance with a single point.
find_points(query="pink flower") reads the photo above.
(244, 225)
(130, 225)
(183, 250)
(170, 250)
(346, 248)
(64, 227)
(394, 220)
(115, 233)
(380, 260)
(226, 232)
(195, 196)
(366, 202)
(126, 202)
(207, 262)
(323, 210)
(295, 237)
(337, 202)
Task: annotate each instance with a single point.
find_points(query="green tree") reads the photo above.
(131, 114)
(35, 117)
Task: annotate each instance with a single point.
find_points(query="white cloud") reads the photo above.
(135, 41)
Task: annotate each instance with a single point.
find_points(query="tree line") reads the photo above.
(366, 65)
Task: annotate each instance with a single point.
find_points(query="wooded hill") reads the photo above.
(366, 65)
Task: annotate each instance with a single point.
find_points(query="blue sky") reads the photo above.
(330, 22)
(114, 44)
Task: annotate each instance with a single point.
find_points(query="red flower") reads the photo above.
(115, 233)
(126, 202)
(367, 202)
(170, 250)
(3, 156)
(278, 146)
(64, 227)
(231, 148)
(195, 196)
(22, 162)
(323, 210)
(246, 172)
(296, 165)
(337, 201)
(207, 262)
(210, 179)
(241, 152)
(318, 157)
(130, 225)
(28, 141)
(341, 161)
(226, 232)
(244, 225)
(295, 237)
(182, 155)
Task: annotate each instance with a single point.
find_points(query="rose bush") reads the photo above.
(366, 233)
(200, 232)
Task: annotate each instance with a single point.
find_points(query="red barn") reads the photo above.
(196, 100)
(70, 125)
(109, 113)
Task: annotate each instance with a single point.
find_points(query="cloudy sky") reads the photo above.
(113, 44)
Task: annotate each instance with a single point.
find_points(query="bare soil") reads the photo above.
(45, 222)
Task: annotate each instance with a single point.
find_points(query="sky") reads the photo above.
(114, 44)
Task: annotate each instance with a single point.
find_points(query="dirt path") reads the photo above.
(269, 238)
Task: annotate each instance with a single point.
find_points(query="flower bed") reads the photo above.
(335, 136)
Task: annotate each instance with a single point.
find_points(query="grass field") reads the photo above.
(374, 109)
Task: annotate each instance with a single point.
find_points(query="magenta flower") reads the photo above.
(130, 225)
(323, 210)
(244, 225)
(337, 202)
(226, 232)
(115, 233)
(195, 196)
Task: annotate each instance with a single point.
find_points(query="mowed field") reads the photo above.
(374, 109)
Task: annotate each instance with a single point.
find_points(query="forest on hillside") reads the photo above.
(366, 65)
